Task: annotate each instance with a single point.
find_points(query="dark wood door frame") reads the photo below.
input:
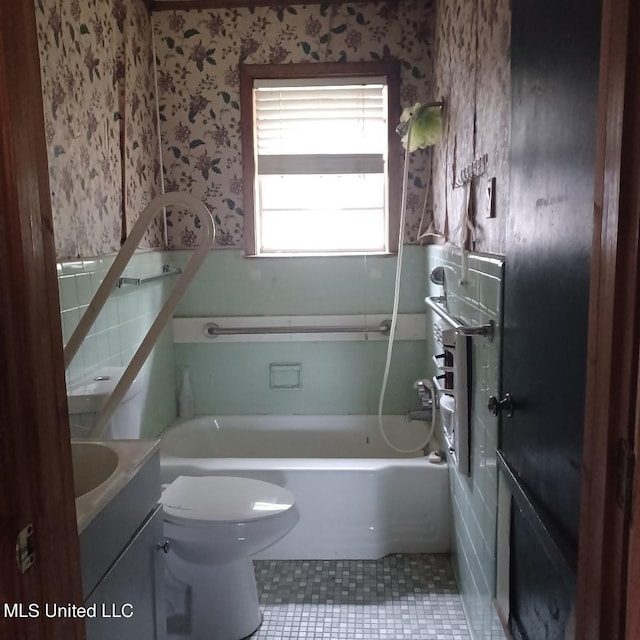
(612, 369)
(36, 482)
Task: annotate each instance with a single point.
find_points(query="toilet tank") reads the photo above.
(87, 395)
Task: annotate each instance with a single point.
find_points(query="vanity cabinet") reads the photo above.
(129, 600)
(123, 563)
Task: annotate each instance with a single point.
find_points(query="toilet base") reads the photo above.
(214, 601)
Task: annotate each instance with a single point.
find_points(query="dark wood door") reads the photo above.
(555, 55)
(609, 566)
(36, 485)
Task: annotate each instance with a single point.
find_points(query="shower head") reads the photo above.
(403, 128)
(421, 125)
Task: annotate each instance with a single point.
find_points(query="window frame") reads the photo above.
(251, 72)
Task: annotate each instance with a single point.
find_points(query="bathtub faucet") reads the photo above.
(426, 396)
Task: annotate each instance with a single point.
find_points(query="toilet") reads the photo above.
(87, 396)
(214, 524)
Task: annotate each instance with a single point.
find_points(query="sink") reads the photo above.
(93, 464)
(102, 469)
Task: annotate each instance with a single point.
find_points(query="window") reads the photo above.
(321, 159)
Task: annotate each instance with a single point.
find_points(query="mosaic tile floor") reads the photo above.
(399, 597)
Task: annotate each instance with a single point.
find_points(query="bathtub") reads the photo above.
(358, 499)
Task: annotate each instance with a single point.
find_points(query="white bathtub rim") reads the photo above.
(300, 464)
(347, 426)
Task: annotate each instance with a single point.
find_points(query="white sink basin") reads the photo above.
(102, 469)
(93, 464)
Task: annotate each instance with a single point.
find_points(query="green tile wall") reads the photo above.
(120, 327)
(337, 377)
(474, 499)
(230, 284)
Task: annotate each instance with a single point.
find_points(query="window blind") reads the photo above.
(321, 181)
(310, 126)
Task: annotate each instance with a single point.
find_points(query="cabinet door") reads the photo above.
(130, 600)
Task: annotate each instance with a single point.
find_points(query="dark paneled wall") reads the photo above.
(554, 71)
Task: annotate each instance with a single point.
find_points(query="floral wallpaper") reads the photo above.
(198, 86)
(100, 116)
(142, 141)
(472, 71)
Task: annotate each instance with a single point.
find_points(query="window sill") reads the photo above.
(319, 254)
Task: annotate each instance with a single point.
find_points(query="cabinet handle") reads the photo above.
(163, 546)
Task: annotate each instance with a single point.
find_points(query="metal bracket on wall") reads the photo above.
(167, 270)
(472, 171)
(25, 549)
(437, 304)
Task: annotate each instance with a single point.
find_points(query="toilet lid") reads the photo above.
(223, 499)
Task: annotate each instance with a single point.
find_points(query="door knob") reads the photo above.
(495, 406)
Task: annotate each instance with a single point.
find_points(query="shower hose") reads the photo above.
(394, 318)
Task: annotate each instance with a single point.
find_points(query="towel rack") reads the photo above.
(212, 330)
(472, 171)
(167, 270)
(436, 303)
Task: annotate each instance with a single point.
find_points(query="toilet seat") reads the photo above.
(222, 499)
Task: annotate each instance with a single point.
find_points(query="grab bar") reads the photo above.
(436, 303)
(212, 330)
(165, 313)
